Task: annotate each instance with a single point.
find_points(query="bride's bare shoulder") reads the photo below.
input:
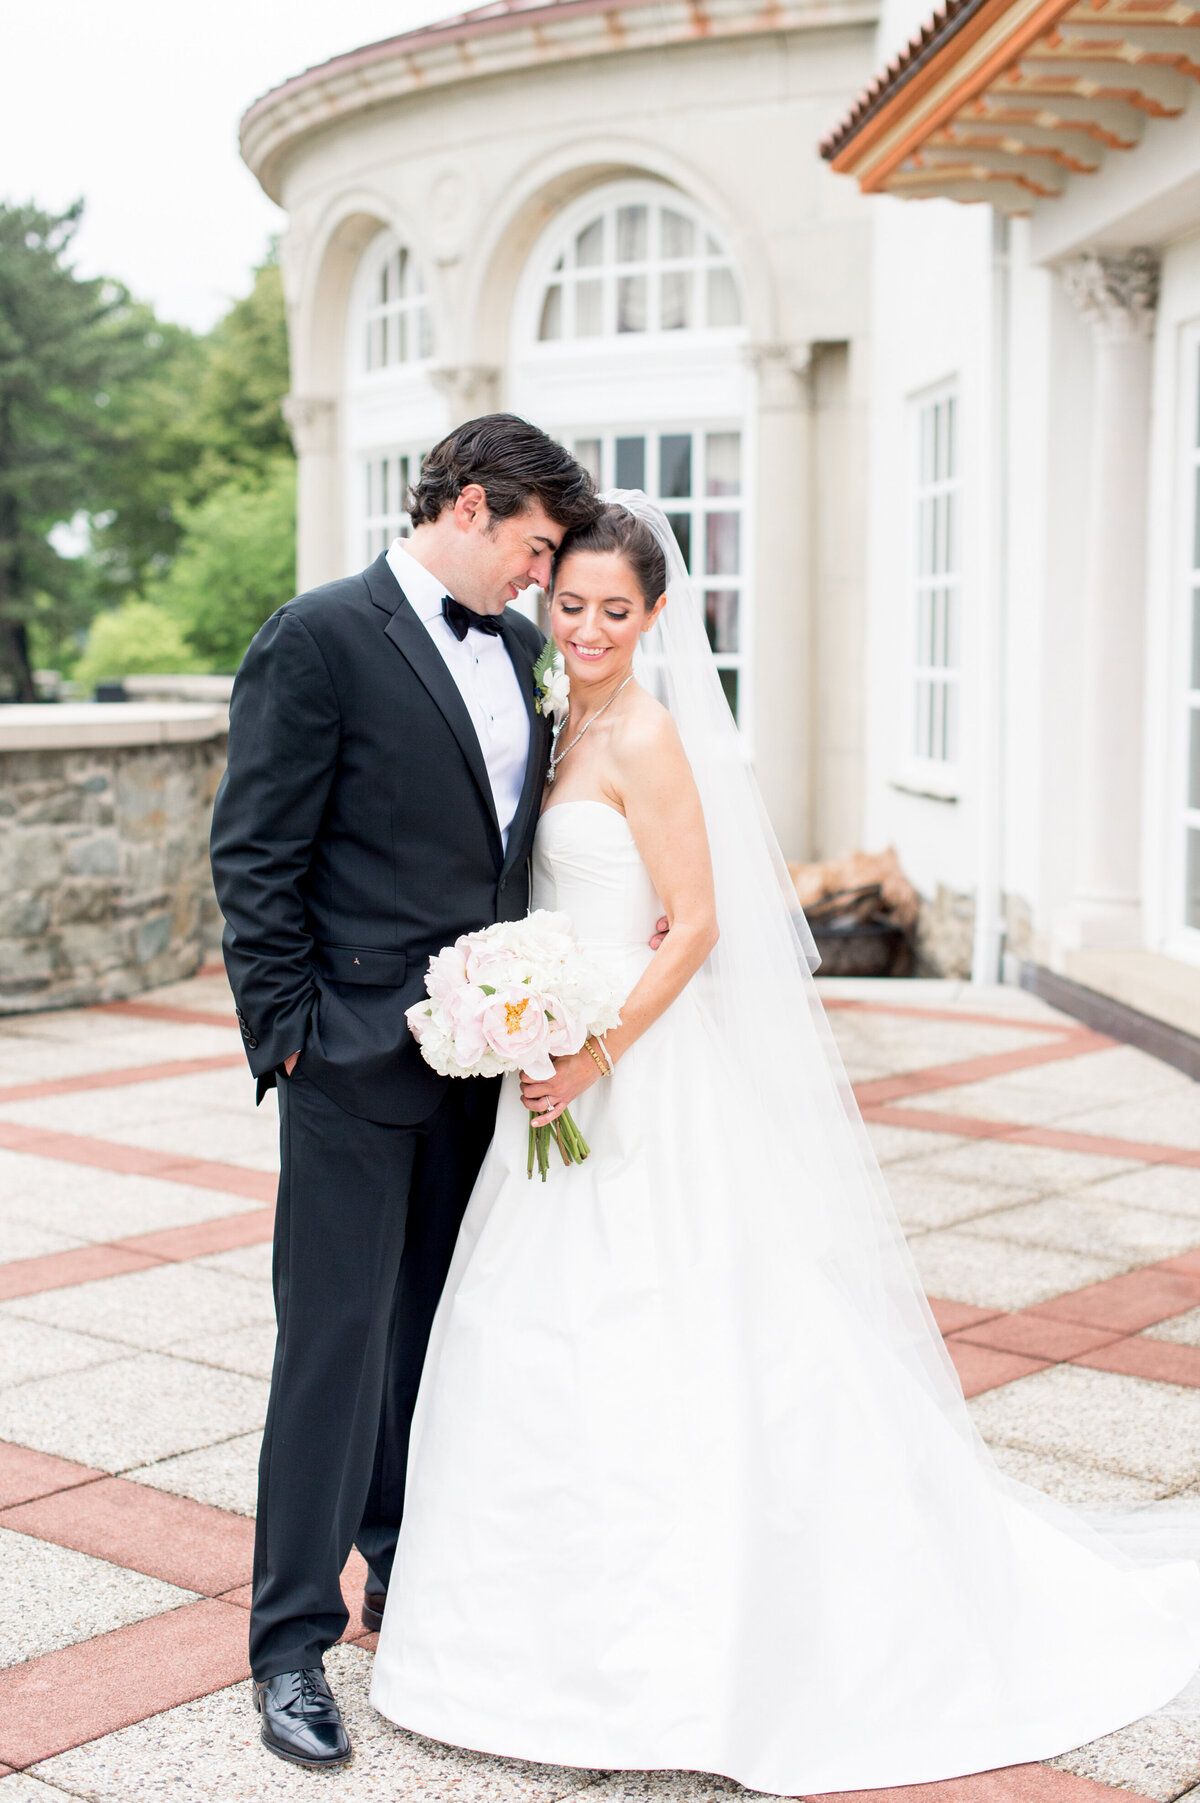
(648, 750)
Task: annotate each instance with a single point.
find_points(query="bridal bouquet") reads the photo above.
(510, 998)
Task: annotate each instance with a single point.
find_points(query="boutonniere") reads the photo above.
(553, 684)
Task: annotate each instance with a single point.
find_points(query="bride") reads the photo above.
(692, 1484)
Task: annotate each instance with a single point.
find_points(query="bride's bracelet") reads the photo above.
(599, 1039)
(590, 1048)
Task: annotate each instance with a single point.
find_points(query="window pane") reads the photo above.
(384, 283)
(587, 452)
(1195, 638)
(589, 309)
(631, 463)
(632, 234)
(370, 468)
(1193, 799)
(402, 267)
(924, 538)
(723, 463)
(589, 244)
(1196, 520)
(675, 300)
(1191, 902)
(724, 307)
(425, 319)
(729, 682)
(723, 552)
(711, 247)
(551, 320)
(721, 619)
(385, 466)
(385, 341)
(400, 327)
(678, 235)
(675, 465)
(681, 526)
(631, 303)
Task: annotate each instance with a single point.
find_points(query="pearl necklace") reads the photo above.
(556, 761)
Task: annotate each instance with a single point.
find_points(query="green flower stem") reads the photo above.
(565, 1135)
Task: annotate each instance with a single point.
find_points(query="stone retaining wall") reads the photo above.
(104, 879)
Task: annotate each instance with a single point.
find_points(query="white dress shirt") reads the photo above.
(484, 675)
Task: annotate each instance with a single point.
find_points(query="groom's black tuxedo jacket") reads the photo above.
(354, 834)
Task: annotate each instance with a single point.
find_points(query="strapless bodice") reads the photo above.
(586, 865)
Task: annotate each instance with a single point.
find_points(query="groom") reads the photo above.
(385, 772)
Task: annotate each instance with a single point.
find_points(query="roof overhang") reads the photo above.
(1002, 100)
(502, 38)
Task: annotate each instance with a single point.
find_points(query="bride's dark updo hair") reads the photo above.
(616, 529)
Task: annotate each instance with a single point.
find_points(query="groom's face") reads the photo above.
(499, 558)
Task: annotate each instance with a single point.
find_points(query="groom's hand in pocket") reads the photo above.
(659, 934)
(289, 1064)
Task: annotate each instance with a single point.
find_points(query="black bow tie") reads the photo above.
(460, 619)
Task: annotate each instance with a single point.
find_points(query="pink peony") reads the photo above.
(515, 1026)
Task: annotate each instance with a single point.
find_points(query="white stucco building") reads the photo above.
(1034, 516)
(934, 463)
(607, 215)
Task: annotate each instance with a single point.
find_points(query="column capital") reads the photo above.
(1118, 294)
(312, 420)
(470, 388)
(782, 371)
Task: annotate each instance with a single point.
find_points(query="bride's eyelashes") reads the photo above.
(566, 608)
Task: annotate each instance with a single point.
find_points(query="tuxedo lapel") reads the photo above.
(535, 768)
(412, 640)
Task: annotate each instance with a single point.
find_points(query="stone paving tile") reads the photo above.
(1170, 1189)
(1106, 1229)
(1040, 1170)
(21, 1788)
(103, 1205)
(1124, 1424)
(232, 1138)
(29, 1239)
(1072, 1481)
(29, 1349)
(131, 1411)
(1168, 1120)
(209, 1752)
(247, 1349)
(924, 1199)
(1181, 1330)
(991, 1273)
(249, 1262)
(224, 1474)
(160, 1099)
(51, 1597)
(151, 1309)
(892, 1144)
(1158, 1757)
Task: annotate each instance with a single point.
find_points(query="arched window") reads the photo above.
(628, 347)
(398, 324)
(394, 410)
(640, 265)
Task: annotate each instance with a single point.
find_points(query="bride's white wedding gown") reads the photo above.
(670, 1505)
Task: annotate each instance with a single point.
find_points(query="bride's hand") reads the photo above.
(546, 1097)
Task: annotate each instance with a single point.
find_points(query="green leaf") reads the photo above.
(488, 988)
(545, 663)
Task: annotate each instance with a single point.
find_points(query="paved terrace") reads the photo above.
(1050, 1182)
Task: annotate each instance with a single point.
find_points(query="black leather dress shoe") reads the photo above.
(372, 1609)
(300, 1719)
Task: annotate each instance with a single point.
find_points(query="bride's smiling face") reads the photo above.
(597, 615)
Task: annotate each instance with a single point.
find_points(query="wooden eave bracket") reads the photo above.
(1003, 105)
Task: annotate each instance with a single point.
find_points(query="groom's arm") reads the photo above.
(284, 728)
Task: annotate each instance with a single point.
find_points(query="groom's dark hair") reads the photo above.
(514, 463)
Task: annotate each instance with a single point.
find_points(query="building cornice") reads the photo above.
(1002, 100)
(502, 38)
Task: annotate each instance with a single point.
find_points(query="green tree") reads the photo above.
(238, 420)
(136, 639)
(236, 565)
(63, 343)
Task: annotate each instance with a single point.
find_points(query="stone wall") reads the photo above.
(945, 935)
(104, 880)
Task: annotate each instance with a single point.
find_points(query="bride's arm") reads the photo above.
(654, 784)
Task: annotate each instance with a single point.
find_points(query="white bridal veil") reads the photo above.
(792, 1092)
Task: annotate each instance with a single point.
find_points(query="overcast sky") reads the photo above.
(134, 105)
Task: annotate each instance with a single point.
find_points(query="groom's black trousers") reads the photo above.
(365, 1228)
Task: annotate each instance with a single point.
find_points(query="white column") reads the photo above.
(1118, 294)
(320, 538)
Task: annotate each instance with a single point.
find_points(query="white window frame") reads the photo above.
(922, 720)
(698, 506)
(644, 384)
(1184, 655)
(413, 310)
(385, 475)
